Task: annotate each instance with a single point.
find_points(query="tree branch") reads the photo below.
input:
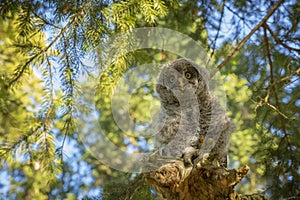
(280, 42)
(272, 87)
(25, 66)
(218, 31)
(31, 59)
(239, 46)
(206, 180)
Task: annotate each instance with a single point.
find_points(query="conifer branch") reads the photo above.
(19, 74)
(279, 41)
(241, 44)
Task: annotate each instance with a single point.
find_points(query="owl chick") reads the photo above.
(192, 122)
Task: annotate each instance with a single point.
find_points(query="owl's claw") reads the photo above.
(189, 154)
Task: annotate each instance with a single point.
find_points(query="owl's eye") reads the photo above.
(188, 75)
(172, 79)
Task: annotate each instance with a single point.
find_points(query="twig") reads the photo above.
(297, 72)
(272, 86)
(236, 14)
(50, 109)
(44, 20)
(269, 56)
(136, 180)
(218, 32)
(24, 67)
(277, 110)
(263, 21)
(280, 42)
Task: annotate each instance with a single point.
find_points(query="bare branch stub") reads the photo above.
(204, 181)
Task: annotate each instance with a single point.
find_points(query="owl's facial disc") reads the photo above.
(166, 95)
(178, 81)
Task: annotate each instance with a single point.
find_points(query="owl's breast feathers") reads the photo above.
(192, 115)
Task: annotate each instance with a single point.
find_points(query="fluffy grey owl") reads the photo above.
(191, 121)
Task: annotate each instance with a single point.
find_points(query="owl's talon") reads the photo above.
(187, 161)
(189, 154)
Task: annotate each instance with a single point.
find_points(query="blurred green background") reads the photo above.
(43, 46)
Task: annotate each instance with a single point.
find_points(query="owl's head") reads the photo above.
(181, 77)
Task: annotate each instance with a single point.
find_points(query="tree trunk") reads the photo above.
(204, 181)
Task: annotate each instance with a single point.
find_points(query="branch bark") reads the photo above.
(205, 181)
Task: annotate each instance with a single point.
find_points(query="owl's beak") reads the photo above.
(181, 83)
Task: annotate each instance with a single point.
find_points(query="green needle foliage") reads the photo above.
(43, 51)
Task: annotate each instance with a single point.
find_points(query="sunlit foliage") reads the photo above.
(43, 47)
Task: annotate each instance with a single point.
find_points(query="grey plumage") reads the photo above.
(191, 121)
